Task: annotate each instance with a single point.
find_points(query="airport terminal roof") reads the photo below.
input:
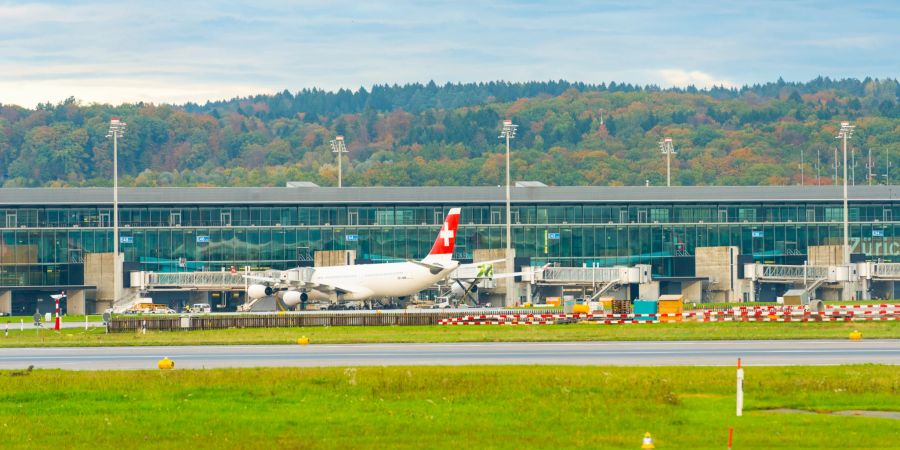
(442, 195)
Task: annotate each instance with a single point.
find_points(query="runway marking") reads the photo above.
(511, 354)
(611, 353)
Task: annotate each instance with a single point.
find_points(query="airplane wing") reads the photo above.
(515, 274)
(480, 263)
(263, 279)
(504, 275)
(433, 268)
(296, 284)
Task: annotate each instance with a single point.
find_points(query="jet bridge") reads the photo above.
(142, 282)
(879, 279)
(211, 281)
(593, 280)
(600, 279)
(808, 277)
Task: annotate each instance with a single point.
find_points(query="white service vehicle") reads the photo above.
(201, 308)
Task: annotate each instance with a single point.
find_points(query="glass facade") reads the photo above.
(46, 246)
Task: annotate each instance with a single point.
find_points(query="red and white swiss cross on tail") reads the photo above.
(442, 250)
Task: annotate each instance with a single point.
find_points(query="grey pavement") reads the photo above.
(640, 353)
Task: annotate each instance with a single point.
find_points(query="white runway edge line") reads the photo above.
(644, 353)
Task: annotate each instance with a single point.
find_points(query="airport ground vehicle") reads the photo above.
(148, 308)
(201, 308)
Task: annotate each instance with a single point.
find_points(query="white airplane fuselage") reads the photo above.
(367, 281)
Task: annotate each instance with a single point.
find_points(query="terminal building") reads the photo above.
(695, 240)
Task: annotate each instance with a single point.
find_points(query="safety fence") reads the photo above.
(743, 314)
(285, 320)
(846, 313)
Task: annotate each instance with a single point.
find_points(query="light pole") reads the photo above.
(666, 147)
(802, 179)
(845, 133)
(818, 159)
(508, 132)
(869, 167)
(338, 146)
(116, 130)
(835, 166)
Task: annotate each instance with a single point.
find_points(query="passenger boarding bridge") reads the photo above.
(856, 277)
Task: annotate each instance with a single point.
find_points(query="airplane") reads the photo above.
(365, 281)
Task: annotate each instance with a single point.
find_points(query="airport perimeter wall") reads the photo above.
(280, 320)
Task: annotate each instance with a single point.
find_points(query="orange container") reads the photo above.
(671, 304)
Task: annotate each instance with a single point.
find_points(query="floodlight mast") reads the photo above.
(846, 132)
(338, 146)
(116, 130)
(887, 166)
(802, 178)
(666, 147)
(508, 132)
(869, 166)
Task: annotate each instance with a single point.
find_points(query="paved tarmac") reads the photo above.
(688, 353)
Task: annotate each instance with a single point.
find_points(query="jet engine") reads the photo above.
(459, 287)
(294, 298)
(256, 291)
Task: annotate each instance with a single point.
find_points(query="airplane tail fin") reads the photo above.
(442, 250)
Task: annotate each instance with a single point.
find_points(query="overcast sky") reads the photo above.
(172, 52)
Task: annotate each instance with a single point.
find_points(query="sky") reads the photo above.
(177, 51)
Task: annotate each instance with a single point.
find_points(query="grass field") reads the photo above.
(447, 407)
(343, 335)
(14, 320)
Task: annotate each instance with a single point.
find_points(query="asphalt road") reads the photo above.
(700, 353)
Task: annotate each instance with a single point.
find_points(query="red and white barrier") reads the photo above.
(779, 313)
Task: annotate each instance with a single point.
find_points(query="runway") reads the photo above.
(642, 353)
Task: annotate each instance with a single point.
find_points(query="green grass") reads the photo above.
(861, 302)
(487, 333)
(14, 320)
(447, 407)
(692, 305)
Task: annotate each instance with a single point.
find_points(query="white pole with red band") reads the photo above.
(57, 324)
(740, 389)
